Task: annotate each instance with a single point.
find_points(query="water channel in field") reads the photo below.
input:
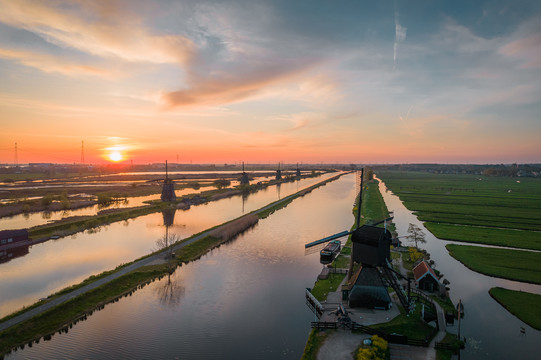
(491, 331)
(37, 271)
(244, 299)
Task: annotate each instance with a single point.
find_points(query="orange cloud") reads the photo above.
(49, 63)
(99, 29)
(243, 82)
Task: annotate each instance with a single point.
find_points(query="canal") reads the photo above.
(244, 299)
(490, 330)
(37, 271)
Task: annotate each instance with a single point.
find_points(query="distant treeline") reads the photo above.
(512, 170)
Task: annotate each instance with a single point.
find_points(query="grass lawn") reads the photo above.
(498, 202)
(411, 326)
(502, 237)
(323, 287)
(524, 305)
(314, 343)
(508, 264)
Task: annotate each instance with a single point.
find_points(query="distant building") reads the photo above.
(426, 278)
(13, 238)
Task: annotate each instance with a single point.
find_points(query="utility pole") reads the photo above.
(359, 205)
(16, 157)
(82, 152)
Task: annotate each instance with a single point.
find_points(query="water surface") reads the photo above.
(244, 299)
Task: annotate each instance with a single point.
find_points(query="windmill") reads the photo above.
(244, 180)
(168, 189)
(278, 173)
(371, 248)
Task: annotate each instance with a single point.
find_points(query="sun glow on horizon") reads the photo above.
(115, 156)
(114, 153)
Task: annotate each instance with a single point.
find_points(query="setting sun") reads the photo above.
(115, 156)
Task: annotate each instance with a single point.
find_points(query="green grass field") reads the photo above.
(473, 234)
(489, 209)
(503, 263)
(524, 305)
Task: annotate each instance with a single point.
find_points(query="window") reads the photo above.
(10, 240)
(3, 241)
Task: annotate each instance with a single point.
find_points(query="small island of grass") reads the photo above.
(522, 304)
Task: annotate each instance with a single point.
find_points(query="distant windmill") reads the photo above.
(278, 173)
(371, 248)
(244, 180)
(168, 189)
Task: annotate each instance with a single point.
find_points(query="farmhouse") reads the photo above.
(12, 238)
(426, 279)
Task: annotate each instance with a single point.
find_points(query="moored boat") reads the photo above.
(329, 252)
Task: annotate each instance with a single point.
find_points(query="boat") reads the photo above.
(329, 252)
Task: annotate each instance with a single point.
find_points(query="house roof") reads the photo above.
(4, 234)
(423, 269)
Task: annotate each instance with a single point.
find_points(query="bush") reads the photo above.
(104, 199)
(376, 351)
(46, 200)
(415, 254)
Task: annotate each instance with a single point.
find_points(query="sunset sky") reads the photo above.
(267, 81)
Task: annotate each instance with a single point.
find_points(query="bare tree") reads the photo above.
(164, 244)
(415, 235)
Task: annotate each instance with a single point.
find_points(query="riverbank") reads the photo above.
(516, 265)
(194, 239)
(523, 305)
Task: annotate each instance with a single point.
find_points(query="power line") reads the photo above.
(82, 152)
(16, 156)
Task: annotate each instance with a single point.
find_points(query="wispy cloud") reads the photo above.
(51, 63)
(103, 29)
(527, 49)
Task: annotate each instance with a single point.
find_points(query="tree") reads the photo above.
(163, 244)
(415, 235)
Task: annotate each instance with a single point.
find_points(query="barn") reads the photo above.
(9, 238)
(426, 278)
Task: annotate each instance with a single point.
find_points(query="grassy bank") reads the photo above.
(81, 223)
(524, 305)
(520, 239)
(314, 343)
(507, 264)
(322, 288)
(62, 317)
(410, 325)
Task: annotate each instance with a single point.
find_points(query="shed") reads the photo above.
(13, 237)
(426, 278)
